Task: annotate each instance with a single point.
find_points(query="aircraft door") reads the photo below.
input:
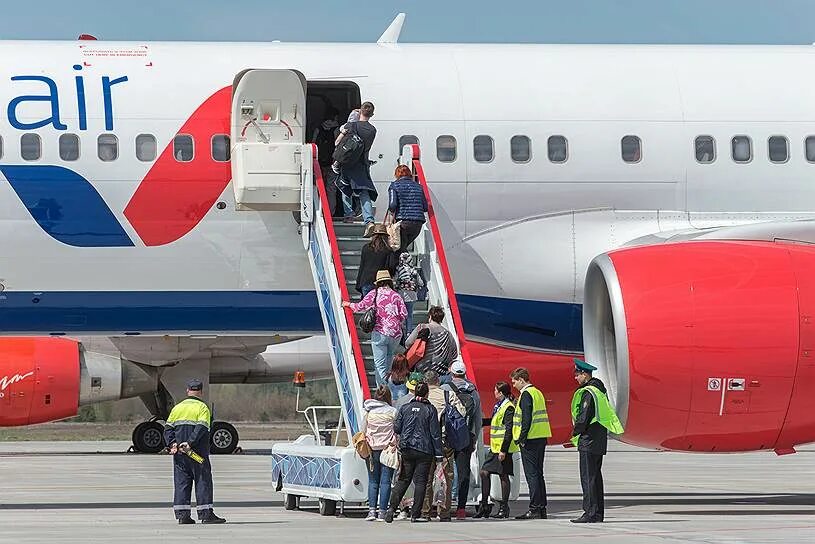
(268, 131)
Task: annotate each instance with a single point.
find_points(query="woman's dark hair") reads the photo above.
(379, 242)
(504, 389)
(421, 390)
(383, 393)
(436, 313)
(402, 171)
(400, 368)
(385, 283)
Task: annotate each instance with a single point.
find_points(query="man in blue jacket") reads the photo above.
(187, 436)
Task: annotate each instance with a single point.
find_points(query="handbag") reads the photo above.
(390, 457)
(394, 229)
(416, 351)
(361, 445)
(368, 320)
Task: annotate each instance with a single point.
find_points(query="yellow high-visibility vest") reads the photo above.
(498, 431)
(604, 414)
(539, 428)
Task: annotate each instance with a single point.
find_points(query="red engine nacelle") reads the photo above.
(706, 345)
(39, 380)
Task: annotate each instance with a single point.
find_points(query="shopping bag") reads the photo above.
(439, 485)
(390, 457)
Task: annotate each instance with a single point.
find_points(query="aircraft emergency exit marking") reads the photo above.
(6, 381)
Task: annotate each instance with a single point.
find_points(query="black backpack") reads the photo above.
(350, 149)
(466, 398)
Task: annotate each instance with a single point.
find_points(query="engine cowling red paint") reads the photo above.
(728, 310)
(39, 380)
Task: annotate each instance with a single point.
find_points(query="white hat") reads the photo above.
(458, 368)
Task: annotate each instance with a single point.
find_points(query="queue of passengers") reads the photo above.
(424, 420)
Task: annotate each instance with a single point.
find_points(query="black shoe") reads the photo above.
(186, 521)
(484, 511)
(419, 520)
(212, 518)
(531, 514)
(542, 513)
(448, 518)
(389, 516)
(503, 511)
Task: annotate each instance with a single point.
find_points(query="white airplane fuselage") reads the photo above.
(89, 251)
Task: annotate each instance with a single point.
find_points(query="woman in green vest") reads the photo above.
(499, 459)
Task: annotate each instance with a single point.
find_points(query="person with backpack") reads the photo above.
(351, 154)
(499, 460)
(456, 382)
(378, 427)
(455, 435)
(408, 282)
(417, 425)
(389, 317)
(440, 347)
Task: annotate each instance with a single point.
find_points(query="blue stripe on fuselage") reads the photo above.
(542, 325)
(66, 206)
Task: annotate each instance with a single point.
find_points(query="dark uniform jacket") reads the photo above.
(593, 437)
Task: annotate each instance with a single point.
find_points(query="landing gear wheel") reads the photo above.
(223, 438)
(328, 507)
(290, 502)
(148, 437)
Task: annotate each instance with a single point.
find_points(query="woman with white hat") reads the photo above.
(390, 316)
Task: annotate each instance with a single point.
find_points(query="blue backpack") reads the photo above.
(455, 426)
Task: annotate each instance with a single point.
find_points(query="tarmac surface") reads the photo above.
(92, 492)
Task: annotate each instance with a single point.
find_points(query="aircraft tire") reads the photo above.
(148, 437)
(223, 438)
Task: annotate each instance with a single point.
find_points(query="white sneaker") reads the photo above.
(403, 515)
(371, 515)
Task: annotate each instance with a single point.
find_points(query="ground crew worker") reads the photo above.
(530, 429)
(187, 436)
(593, 417)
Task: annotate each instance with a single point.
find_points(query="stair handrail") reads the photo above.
(411, 156)
(346, 328)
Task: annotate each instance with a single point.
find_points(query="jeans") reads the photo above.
(461, 482)
(397, 391)
(416, 468)
(365, 202)
(384, 348)
(409, 318)
(379, 482)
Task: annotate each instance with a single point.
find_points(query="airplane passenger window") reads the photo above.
(446, 148)
(183, 149)
(146, 149)
(107, 147)
(631, 149)
(557, 148)
(483, 148)
(30, 147)
(407, 139)
(520, 148)
(705, 149)
(220, 148)
(778, 149)
(742, 149)
(69, 147)
(1, 147)
(809, 148)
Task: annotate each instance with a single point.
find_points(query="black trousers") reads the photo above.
(416, 468)
(410, 231)
(591, 478)
(532, 454)
(463, 470)
(185, 473)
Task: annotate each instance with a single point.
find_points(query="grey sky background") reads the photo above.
(524, 21)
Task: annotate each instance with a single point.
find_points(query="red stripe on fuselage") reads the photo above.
(175, 196)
